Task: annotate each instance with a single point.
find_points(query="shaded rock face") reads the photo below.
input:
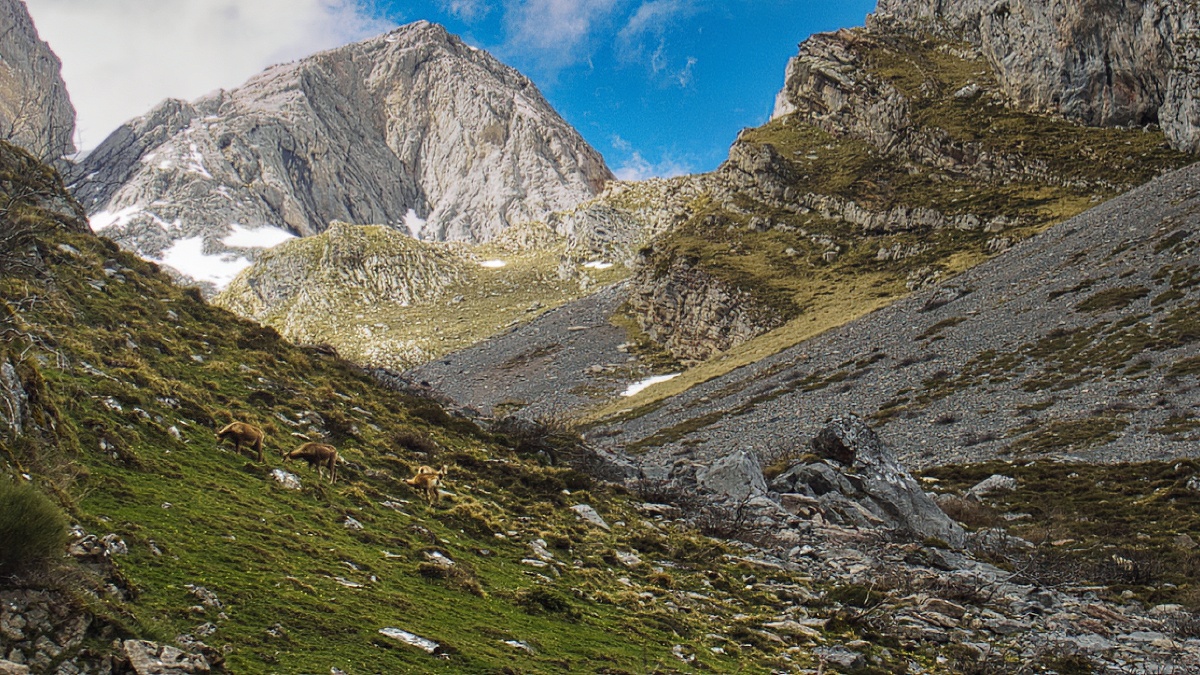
(414, 129)
(13, 399)
(694, 314)
(35, 111)
(864, 485)
(1102, 62)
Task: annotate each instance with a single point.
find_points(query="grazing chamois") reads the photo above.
(243, 434)
(428, 479)
(317, 455)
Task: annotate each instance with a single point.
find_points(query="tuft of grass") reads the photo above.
(33, 529)
(1112, 298)
(1069, 435)
(1116, 525)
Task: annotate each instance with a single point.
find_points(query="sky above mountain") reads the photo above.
(660, 87)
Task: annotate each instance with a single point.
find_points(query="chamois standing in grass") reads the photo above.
(243, 434)
(317, 455)
(428, 479)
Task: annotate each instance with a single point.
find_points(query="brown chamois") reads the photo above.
(243, 434)
(317, 455)
(428, 479)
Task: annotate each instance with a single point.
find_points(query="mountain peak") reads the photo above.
(413, 129)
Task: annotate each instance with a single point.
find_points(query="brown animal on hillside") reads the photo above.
(317, 455)
(428, 479)
(243, 434)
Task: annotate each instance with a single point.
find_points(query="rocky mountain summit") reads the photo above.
(35, 111)
(1130, 62)
(413, 129)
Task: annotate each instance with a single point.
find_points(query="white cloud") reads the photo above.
(467, 10)
(638, 167)
(121, 57)
(559, 30)
(649, 26)
(654, 17)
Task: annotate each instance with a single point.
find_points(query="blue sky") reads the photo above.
(659, 87)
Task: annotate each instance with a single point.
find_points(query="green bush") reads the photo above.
(32, 527)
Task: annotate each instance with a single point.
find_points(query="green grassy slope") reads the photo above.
(127, 376)
(120, 367)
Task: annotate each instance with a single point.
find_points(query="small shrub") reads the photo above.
(662, 580)
(1068, 664)
(969, 512)
(32, 528)
(1113, 298)
(854, 595)
(456, 576)
(471, 516)
(539, 600)
(414, 441)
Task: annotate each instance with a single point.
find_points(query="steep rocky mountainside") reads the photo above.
(1082, 341)
(35, 111)
(897, 162)
(893, 155)
(1102, 62)
(413, 129)
(897, 158)
(384, 299)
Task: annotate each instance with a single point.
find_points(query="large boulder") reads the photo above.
(737, 476)
(855, 480)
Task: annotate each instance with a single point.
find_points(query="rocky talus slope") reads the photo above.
(35, 111)
(1082, 341)
(413, 129)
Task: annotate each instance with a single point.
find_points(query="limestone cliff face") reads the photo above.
(35, 111)
(693, 314)
(414, 129)
(909, 146)
(1102, 62)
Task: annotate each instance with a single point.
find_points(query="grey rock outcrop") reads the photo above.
(736, 476)
(695, 314)
(149, 658)
(13, 399)
(1102, 63)
(414, 129)
(39, 628)
(871, 490)
(299, 284)
(35, 111)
